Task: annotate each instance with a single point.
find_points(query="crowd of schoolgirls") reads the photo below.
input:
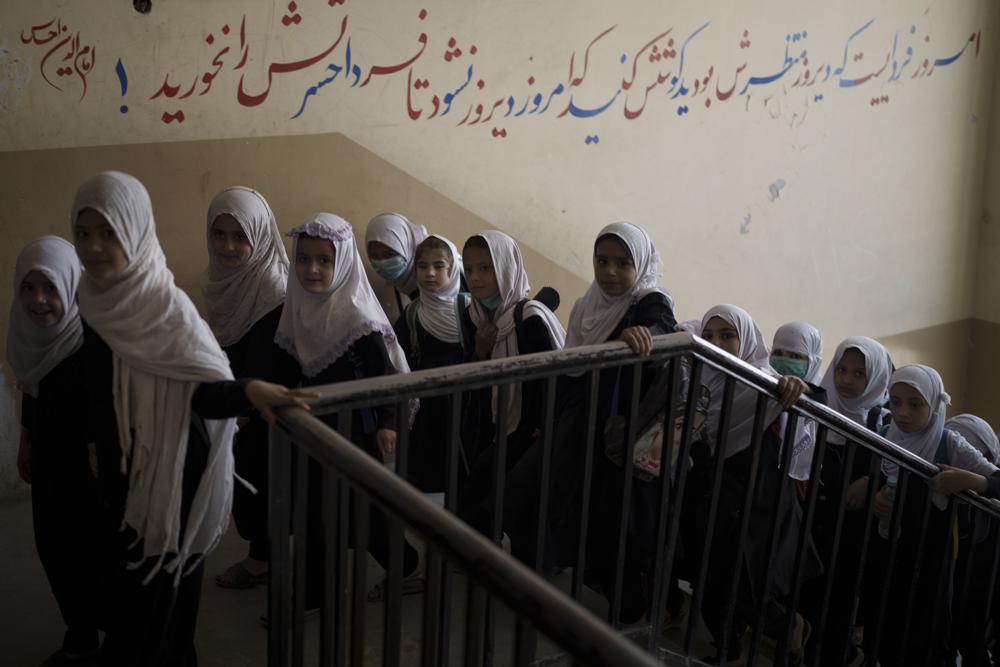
(144, 426)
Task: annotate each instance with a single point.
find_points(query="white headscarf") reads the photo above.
(162, 352)
(804, 339)
(237, 298)
(978, 433)
(753, 350)
(33, 351)
(595, 315)
(513, 288)
(925, 442)
(317, 329)
(689, 326)
(878, 367)
(395, 231)
(437, 313)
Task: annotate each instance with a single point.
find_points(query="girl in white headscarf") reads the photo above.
(43, 350)
(244, 289)
(978, 543)
(855, 385)
(162, 401)
(734, 331)
(624, 302)
(797, 349)
(333, 329)
(503, 322)
(918, 400)
(430, 333)
(391, 241)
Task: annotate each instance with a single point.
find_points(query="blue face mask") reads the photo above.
(788, 366)
(492, 302)
(391, 269)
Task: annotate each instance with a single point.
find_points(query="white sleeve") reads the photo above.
(965, 456)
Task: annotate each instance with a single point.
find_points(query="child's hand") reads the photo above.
(952, 480)
(386, 439)
(639, 339)
(486, 338)
(790, 388)
(883, 506)
(265, 396)
(24, 458)
(856, 494)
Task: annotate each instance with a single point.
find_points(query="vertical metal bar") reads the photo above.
(430, 650)
(677, 502)
(993, 529)
(279, 519)
(713, 507)
(897, 515)
(475, 639)
(912, 593)
(805, 536)
(345, 423)
(496, 528)
(361, 511)
(451, 504)
(626, 505)
(745, 514)
(331, 568)
(866, 536)
(302, 539)
(788, 444)
(525, 637)
(970, 568)
(541, 524)
(944, 578)
(392, 633)
(661, 588)
(342, 546)
(590, 410)
(820, 631)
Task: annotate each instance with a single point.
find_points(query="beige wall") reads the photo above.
(876, 230)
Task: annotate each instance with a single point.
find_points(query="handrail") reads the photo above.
(587, 638)
(474, 375)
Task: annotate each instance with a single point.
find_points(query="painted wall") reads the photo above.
(821, 162)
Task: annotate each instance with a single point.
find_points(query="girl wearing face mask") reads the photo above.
(499, 287)
(917, 401)
(733, 330)
(161, 403)
(333, 329)
(430, 333)
(855, 383)
(244, 288)
(797, 349)
(43, 350)
(390, 241)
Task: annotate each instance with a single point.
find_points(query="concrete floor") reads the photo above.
(229, 631)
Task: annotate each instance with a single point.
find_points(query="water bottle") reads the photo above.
(889, 497)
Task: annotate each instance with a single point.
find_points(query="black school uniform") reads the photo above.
(836, 633)
(478, 429)
(927, 640)
(154, 623)
(252, 357)
(365, 358)
(65, 502)
(427, 456)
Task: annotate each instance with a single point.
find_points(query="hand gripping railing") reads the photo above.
(579, 633)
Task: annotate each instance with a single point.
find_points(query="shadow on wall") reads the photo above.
(297, 174)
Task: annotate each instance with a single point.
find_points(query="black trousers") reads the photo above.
(65, 505)
(249, 509)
